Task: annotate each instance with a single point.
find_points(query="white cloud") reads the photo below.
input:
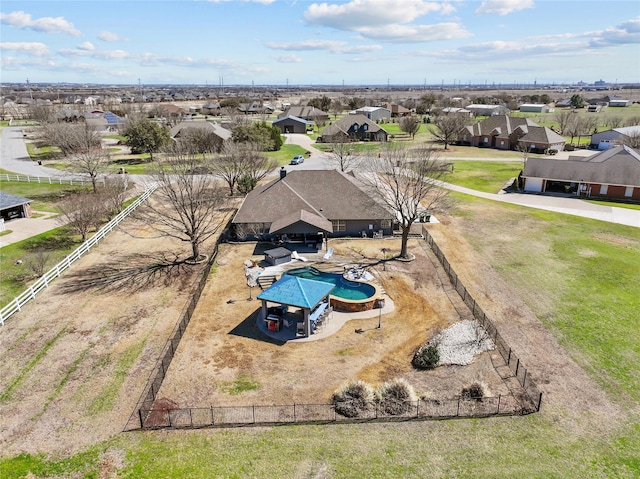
(290, 58)
(388, 20)
(87, 46)
(371, 13)
(417, 33)
(503, 7)
(106, 36)
(333, 46)
(31, 48)
(21, 19)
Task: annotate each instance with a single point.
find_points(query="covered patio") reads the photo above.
(303, 306)
(302, 227)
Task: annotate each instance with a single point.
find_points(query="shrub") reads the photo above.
(396, 397)
(426, 357)
(475, 392)
(353, 398)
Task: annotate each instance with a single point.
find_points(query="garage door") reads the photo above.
(533, 184)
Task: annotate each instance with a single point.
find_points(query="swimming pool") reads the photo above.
(347, 295)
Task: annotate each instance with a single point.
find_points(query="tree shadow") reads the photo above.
(249, 329)
(132, 272)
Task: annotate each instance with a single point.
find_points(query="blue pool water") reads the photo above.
(344, 289)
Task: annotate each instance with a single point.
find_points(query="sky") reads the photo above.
(294, 42)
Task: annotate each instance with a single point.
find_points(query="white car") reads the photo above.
(297, 160)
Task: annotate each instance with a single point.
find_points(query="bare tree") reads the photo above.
(336, 107)
(37, 261)
(613, 121)
(564, 118)
(93, 162)
(113, 194)
(342, 156)
(81, 212)
(410, 125)
(407, 182)
(449, 128)
(40, 112)
(632, 140)
(69, 137)
(187, 205)
(236, 117)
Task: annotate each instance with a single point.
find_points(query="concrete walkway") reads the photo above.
(23, 228)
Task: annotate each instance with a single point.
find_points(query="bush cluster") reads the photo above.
(426, 357)
(353, 398)
(396, 397)
(475, 392)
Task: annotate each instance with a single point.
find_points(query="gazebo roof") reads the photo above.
(295, 291)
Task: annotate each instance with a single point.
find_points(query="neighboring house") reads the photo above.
(353, 128)
(307, 205)
(397, 110)
(174, 112)
(606, 139)
(293, 124)
(509, 133)
(14, 206)
(614, 173)
(619, 102)
(211, 128)
(306, 113)
(255, 107)
(454, 110)
(535, 108)
(487, 110)
(211, 108)
(374, 113)
(594, 108)
(104, 121)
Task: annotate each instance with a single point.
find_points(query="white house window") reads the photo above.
(604, 189)
(339, 225)
(628, 191)
(385, 223)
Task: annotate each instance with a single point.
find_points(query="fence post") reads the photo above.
(524, 381)
(253, 413)
(539, 402)
(517, 367)
(140, 416)
(190, 418)
(211, 408)
(458, 411)
(499, 397)
(294, 412)
(509, 359)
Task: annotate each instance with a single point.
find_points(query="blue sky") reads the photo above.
(278, 42)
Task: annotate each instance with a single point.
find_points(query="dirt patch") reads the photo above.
(223, 345)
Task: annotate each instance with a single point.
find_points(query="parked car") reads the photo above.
(297, 160)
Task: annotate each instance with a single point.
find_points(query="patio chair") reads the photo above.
(328, 254)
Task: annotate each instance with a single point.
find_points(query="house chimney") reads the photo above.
(283, 172)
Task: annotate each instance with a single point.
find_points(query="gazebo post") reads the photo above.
(307, 323)
(264, 309)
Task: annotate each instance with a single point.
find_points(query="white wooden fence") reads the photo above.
(50, 180)
(19, 301)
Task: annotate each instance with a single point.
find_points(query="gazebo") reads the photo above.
(311, 296)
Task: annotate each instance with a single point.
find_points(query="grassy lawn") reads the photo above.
(15, 278)
(617, 204)
(486, 176)
(44, 195)
(285, 153)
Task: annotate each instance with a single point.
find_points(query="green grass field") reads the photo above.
(485, 176)
(44, 195)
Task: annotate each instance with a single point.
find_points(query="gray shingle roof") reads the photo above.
(327, 194)
(616, 166)
(7, 200)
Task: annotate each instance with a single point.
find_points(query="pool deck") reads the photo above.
(337, 319)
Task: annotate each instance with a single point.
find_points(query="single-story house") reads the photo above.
(613, 173)
(374, 113)
(619, 102)
(211, 108)
(306, 113)
(487, 110)
(353, 128)
(454, 110)
(293, 124)
(305, 206)
(509, 133)
(615, 136)
(14, 206)
(397, 110)
(535, 108)
(207, 126)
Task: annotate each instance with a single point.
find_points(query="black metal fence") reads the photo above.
(149, 415)
(159, 372)
(326, 413)
(534, 396)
